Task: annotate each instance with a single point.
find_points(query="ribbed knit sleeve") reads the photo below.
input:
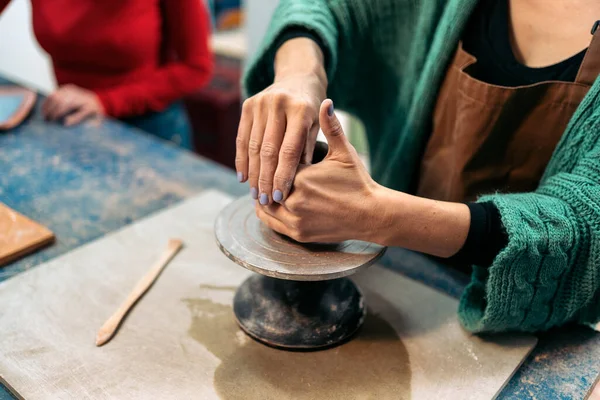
(386, 60)
(312, 15)
(549, 273)
(364, 42)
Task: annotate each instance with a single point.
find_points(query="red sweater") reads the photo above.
(118, 48)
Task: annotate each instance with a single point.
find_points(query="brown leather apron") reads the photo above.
(489, 138)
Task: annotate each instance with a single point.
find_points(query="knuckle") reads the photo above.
(307, 122)
(240, 161)
(253, 147)
(283, 183)
(261, 101)
(291, 152)
(302, 107)
(241, 142)
(264, 182)
(301, 236)
(292, 205)
(305, 108)
(279, 98)
(336, 129)
(247, 105)
(268, 151)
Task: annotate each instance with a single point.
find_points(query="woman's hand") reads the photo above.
(72, 104)
(331, 201)
(279, 126)
(337, 200)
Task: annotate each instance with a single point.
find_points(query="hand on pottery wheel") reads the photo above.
(279, 126)
(332, 201)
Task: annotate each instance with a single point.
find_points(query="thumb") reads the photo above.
(331, 127)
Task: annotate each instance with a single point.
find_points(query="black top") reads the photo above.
(486, 37)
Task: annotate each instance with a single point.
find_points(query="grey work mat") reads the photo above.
(181, 341)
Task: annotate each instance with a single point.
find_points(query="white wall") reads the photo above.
(258, 15)
(21, 59)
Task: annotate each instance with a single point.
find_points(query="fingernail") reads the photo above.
(277, 196)
(330, 109)
(240, 176)
(264, 200)
(254, 193)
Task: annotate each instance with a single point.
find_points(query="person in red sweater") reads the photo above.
(131, 60)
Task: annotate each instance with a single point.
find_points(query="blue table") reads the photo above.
(87, 181)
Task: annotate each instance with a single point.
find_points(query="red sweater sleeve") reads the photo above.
(187, 29)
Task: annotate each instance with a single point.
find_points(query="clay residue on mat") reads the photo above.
(374, 365)
(213, 287)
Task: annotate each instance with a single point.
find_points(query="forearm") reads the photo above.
(433, 227)
(155, 92)
(188, 64)
(300, 56)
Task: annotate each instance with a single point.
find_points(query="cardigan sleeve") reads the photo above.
(344, 30)
(549, 272)
(187, 31)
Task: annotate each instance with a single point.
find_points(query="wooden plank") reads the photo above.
(181, 340)
(19, 235)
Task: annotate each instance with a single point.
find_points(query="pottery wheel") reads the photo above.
(301, 299)
(253, 245)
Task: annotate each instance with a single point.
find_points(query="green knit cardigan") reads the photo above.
(385, 63)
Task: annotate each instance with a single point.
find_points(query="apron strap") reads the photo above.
(590, 67)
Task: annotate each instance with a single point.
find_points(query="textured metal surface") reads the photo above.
(250, 243)
(84, 182)
(299, 315)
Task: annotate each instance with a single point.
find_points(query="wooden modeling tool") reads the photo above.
(300, 298)
(112, 324)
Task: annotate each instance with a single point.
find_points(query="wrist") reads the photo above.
(386, 207)
(100, 110)
(300, 56)
(433, 227)
(374, 220)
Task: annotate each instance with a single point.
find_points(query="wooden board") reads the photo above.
(181, 342)
(20, 235)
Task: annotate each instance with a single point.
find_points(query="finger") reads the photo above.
(49, 105)
(293, 144)
(45, 106)
(62, 107)
(53, 102)
(96, 121)
(269, 152)
(309, 147)
(78, 116)
(271, 221)
(332, 128)
(259, 123)
(277, 211)
(241, 142)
